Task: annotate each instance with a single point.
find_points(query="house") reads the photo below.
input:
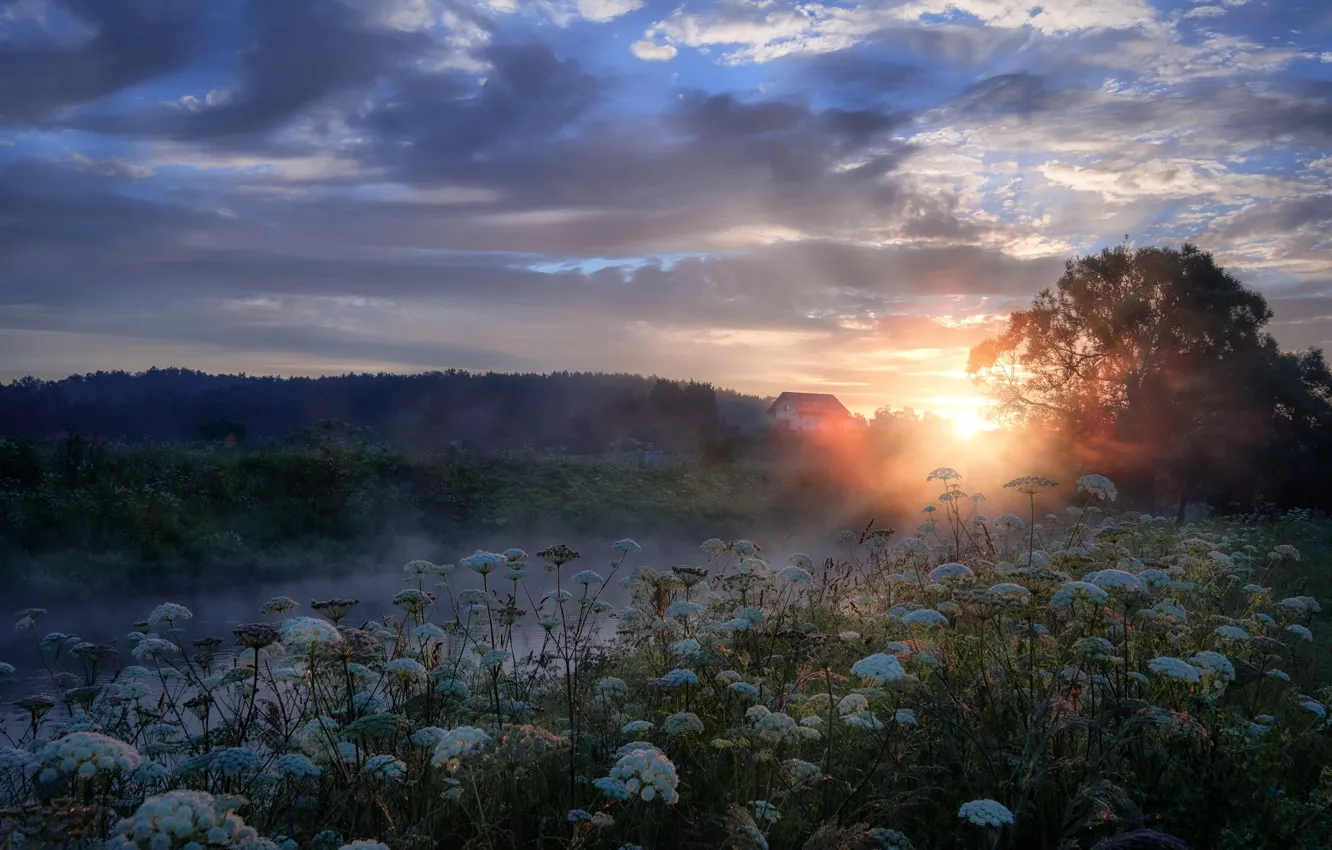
(809, 412)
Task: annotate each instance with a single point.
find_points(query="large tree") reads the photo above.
(1151, 360)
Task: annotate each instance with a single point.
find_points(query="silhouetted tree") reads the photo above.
(1152, 361)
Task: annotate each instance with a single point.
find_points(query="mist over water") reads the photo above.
(219, 608)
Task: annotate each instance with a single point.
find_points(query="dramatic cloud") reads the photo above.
(772, 195)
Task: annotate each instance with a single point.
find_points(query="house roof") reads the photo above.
(806, 403)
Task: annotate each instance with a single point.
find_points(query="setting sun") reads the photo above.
(968, 423)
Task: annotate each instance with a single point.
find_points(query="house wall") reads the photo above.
(794, 421)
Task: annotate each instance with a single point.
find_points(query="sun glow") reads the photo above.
(969, 423)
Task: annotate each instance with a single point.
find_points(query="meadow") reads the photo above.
(1067, 676)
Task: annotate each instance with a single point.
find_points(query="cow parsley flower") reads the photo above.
(647, 773)
(151, 648)
(14, 759)
(1099, 486)
(1116, 581)
(943, 473)
(795, 575)
(609, 688)
(1031, 484)
(682, 723)
(1011, 592)
(802, 771)
(183, 819)
(908, 546)
(852, 703)
(985, 813)
(1077, 591)
(687, 648)
(744, 689)
(627, 547)
(713, 546)
(407, 669)
(170, 612)
(1230, 633)
(1174, 668)
(926, 617)
(765, 811)
(483, 562)
(635, 727)
(587, 577)
(775, 727)
(1215, 667)
(951, 573)
(296, 766)
(385, 768)
(863, 720)
(679, 676)
(879, 668)
(235, 761)
(85, 755)
(1314, 707)
(364, 844)
(279, 605)
(465, 742)
(744, 548)
(300, 635)
(1301, 605)
(1301, 632)
(906, 716)
(1010, 523)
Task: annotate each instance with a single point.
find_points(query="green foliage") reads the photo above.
(145, 515)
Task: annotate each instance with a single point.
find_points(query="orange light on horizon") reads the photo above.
(969, 423)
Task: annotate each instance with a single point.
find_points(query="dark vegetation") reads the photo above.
(90, 514)
(1154, 366)
(579, 413)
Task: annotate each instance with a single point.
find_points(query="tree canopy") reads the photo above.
(1157, 361)
(561, 411)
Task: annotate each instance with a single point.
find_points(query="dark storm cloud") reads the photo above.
(865, 76)
(1019, 94)
(1303, 110)
(438, 124)
(297, 54)
(132, 41)
(134, 254)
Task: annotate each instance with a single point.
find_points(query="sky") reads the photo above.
(769, 195)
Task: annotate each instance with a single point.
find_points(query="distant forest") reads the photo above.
(567, 412)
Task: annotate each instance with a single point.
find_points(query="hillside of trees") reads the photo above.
(565, 412)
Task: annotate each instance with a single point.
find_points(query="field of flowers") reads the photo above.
(1073, 679)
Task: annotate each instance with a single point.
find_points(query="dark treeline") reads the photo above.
(566, 412)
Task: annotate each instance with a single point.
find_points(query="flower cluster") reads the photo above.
(643, 771)
(183, 820)
(84, 755)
